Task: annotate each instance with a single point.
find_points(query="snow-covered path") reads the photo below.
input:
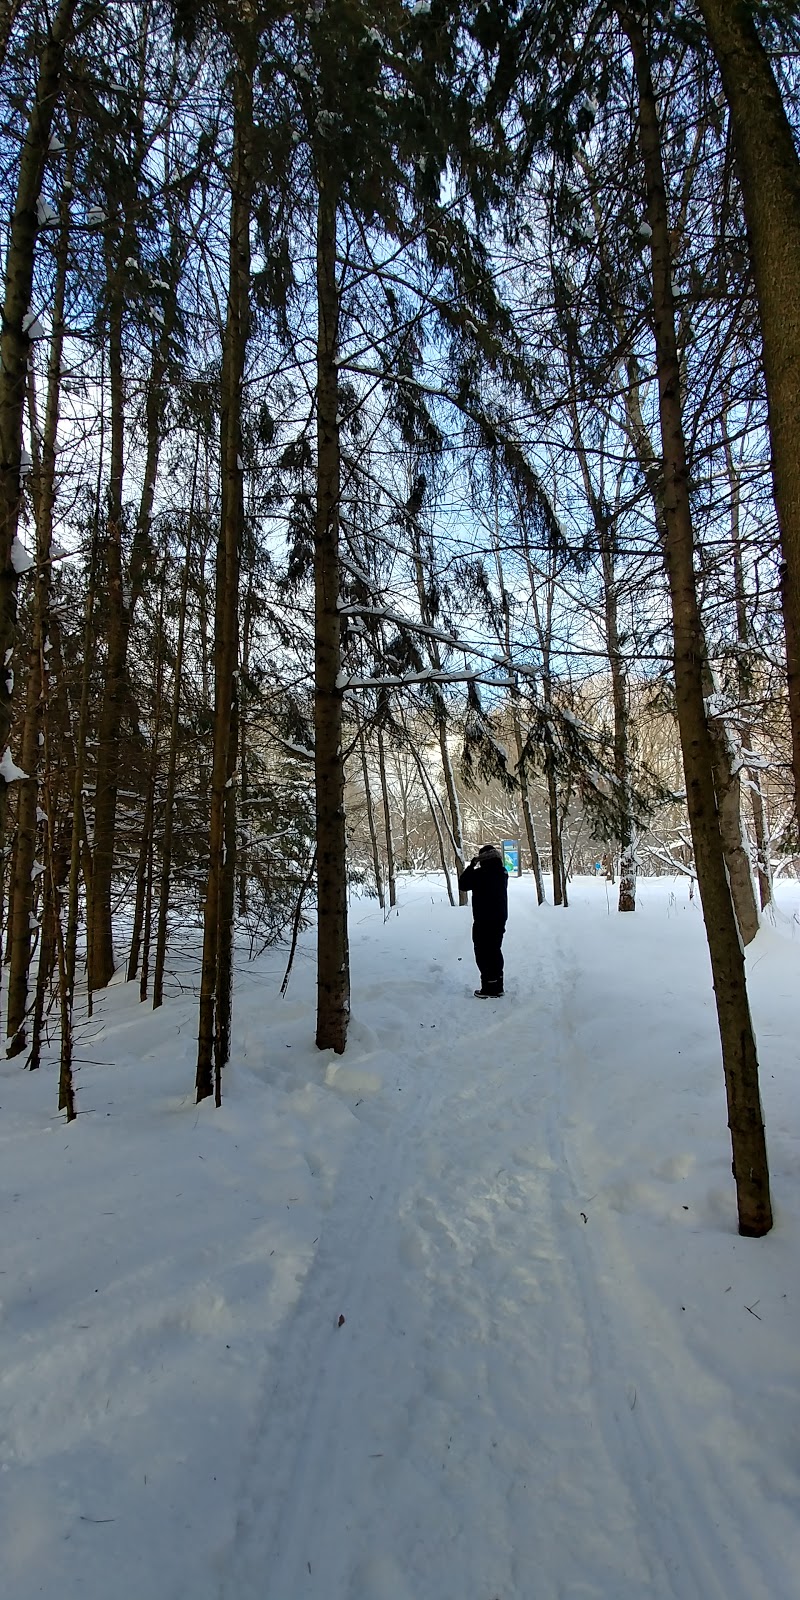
(480, 1411)
(549, 1383)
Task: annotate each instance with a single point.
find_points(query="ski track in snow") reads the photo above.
(548, 1384)
(436, 1432)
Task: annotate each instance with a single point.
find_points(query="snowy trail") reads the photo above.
(561, 1374)
(443, 1429)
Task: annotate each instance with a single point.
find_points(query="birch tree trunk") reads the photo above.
(387, 821)
(740, 1062)
(727, 758)
(744, 674)
(333, 958)
(769, 174)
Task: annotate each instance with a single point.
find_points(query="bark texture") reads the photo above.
(740, 1062)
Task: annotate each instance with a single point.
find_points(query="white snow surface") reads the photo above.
(561, 1374)
(9, 770)
(21, 560)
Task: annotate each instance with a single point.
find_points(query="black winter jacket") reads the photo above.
(487, 878)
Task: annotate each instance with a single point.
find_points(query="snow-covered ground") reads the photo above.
(561, 1375)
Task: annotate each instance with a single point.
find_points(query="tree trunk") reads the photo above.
(121, 605)
(433, 801)
(243, 855)
(21, 896)
(555, 831)
(769, 174)
(521, 772)
(727, 759)
(56, 789)
(144, 871)
(172, 763)
(227, 906)
(730, 815)
(604, 525)
(744, 673)
(215, 974)
(8, 17)
(373, 832)
(15, 343)
(619, 694)
(387, 821)
(434, 653)
(527, 809)
(333, 958)
(44, 966)
(99, 917)
(739, 1056)
(67, 943)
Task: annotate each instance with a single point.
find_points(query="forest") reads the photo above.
(399, 413)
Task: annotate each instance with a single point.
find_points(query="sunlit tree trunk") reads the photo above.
(739, 1056)
(727, 758)
(744, 673)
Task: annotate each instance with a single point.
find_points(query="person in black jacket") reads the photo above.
(487, 878)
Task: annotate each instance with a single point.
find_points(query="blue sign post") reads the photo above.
(511, 855)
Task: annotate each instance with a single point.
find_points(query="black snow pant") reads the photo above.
(487, 940)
